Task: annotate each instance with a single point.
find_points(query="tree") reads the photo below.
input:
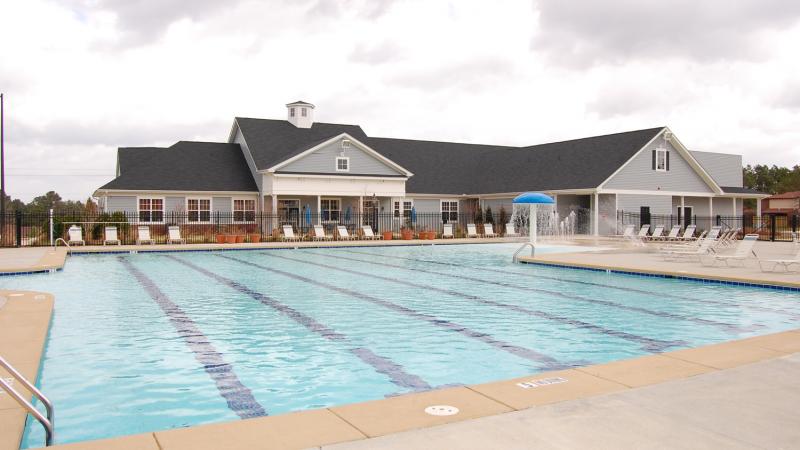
(772, 180)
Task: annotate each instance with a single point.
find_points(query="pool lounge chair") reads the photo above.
(488, 230)
(641, 237)
(743, 251)
(673, 233)
(658, 233)
(472, 232)
(288, 234)
(174, 235)
(319, 234)
(511, 230)
(75, 234)
(785, 263)
(341, 230)
(703, 248)
(447, 231)
(366, 230)
(627, 232)
(110, 236)
(688, 233)
(143, 236)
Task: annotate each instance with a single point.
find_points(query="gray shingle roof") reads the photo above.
(741, 190)
(185, 166)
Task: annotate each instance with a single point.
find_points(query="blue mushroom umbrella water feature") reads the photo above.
(533, 199)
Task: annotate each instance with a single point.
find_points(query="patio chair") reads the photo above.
(688, 233)
(288, 234)
(319, 234)
(673, 233)
(144, 236)
(743, 251)
(488, 230)
(366, 230)
(658, 233)
(511, 230)
(447, 231)
(75, 234)
(626, 232)
(703, 248)
(110, 236)
(174, 235)
(341, 230)
(472, 232)
(785, 263)
(641, 237)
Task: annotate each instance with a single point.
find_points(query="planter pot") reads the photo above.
(407, 235)
(431, 235)
(387, 235)
(239, 238)
(220, 239)
(254, 237)
(230, 238)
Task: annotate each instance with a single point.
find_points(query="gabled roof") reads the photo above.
(184, 166)
(789, 195)
(274, 141)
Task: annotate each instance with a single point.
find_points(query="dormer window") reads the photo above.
(661, 160)
(303, 112)
(342, 164)
(291, 112)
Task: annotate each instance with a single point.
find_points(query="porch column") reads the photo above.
(596, 214)
(360, 211)
(274, 210)
(758, 207)
(319, 210)
(733, 200)
(711, 211)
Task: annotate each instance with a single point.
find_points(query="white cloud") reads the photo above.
(83, 78)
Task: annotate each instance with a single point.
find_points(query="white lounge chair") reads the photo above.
(110, 236)
(673, 233)
(144, 236)
(75, 234)
(785, 263)
(626, 232)
(641, 237)
(472, 232)
(319, 234)
(174, 235)
(488, 230)
(447, 231)
(743, 251)
(688, 233)
(511, 230)
(658, 233)
(703, 248)
(341, 230)
(288, 234)
(366, 230)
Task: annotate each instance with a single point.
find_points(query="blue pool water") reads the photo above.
(155, 341)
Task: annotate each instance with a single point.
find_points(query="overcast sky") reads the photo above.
(83, 77)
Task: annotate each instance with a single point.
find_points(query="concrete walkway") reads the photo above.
(752, 406)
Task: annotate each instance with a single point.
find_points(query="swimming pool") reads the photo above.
(148, 342)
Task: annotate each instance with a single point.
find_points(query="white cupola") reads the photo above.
(300, 114)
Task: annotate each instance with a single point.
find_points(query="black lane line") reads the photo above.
(591, 283)
(381, 364)
(724, 326)
(238, 396)
(648, 344)
(546, 361)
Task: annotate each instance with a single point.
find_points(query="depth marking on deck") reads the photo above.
(649, 344)
(238, 396)
(546, 361)
(532, 384)
(725, 326)
(381, 364)
(587, 283)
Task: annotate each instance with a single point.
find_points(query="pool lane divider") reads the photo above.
(648, 344)
(239, 397)
(722, 325)
(589, 283)
(544, 361)
(395, 372)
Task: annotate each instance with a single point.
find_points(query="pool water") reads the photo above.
(148, 342)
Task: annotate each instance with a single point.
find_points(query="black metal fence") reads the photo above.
(769, 227)
(42, 229)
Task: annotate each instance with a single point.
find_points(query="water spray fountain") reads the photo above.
(532, 200)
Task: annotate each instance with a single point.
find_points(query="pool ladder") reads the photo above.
(69, 249)
(47, 422)
(515, 258)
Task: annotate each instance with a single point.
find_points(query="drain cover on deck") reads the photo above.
(441, 410)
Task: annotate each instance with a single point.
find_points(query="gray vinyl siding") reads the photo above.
(239, 139)
(699, 205)
(174, 204)
(222, 205)
(724, 168)
(323, 160)
(126, 203)
(639, 173)
(427, 205)
(659, 204)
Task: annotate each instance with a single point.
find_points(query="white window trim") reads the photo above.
(345, 143)
(661, 151)
(303, 112)
(346, 158)
(401, 200)
(233, 208)
(210, 210)
(151, 197)
(322, 199)
(449, 200)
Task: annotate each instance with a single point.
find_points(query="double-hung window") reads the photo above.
(244, 210)
(402, 208)
(342, 164)
(199, 209)
(449, 211)
(151, 209)
(331, 207)
(661, 160)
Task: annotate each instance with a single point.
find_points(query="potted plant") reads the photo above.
(230, 238)
(239, 238)
(387, 235)
(220, 238)
(407, 234)
(254, 237)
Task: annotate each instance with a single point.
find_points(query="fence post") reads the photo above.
(772, 226)
(18, 227)
(794, 223)
(51, 226)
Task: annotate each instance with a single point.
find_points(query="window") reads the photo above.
(151, 210)
(345, 143)
(342, 164)
(403, 208)
(303, 112)
(291, 112)
(449, 211)
(330, 209)
(244, 210)
(661, 160)
(289, 210)
(199, 209)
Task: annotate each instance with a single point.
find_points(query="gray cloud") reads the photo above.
(580, 34)
(466, 74)
(789, 96)
(368, 9)
(375, 54)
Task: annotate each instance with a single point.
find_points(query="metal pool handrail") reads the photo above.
(47, 422)
(69, 249)
(515, 258)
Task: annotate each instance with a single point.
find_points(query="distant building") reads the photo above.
(787, 203)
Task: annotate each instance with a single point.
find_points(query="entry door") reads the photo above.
(686, 214)
(370, 207)
(289, 212)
